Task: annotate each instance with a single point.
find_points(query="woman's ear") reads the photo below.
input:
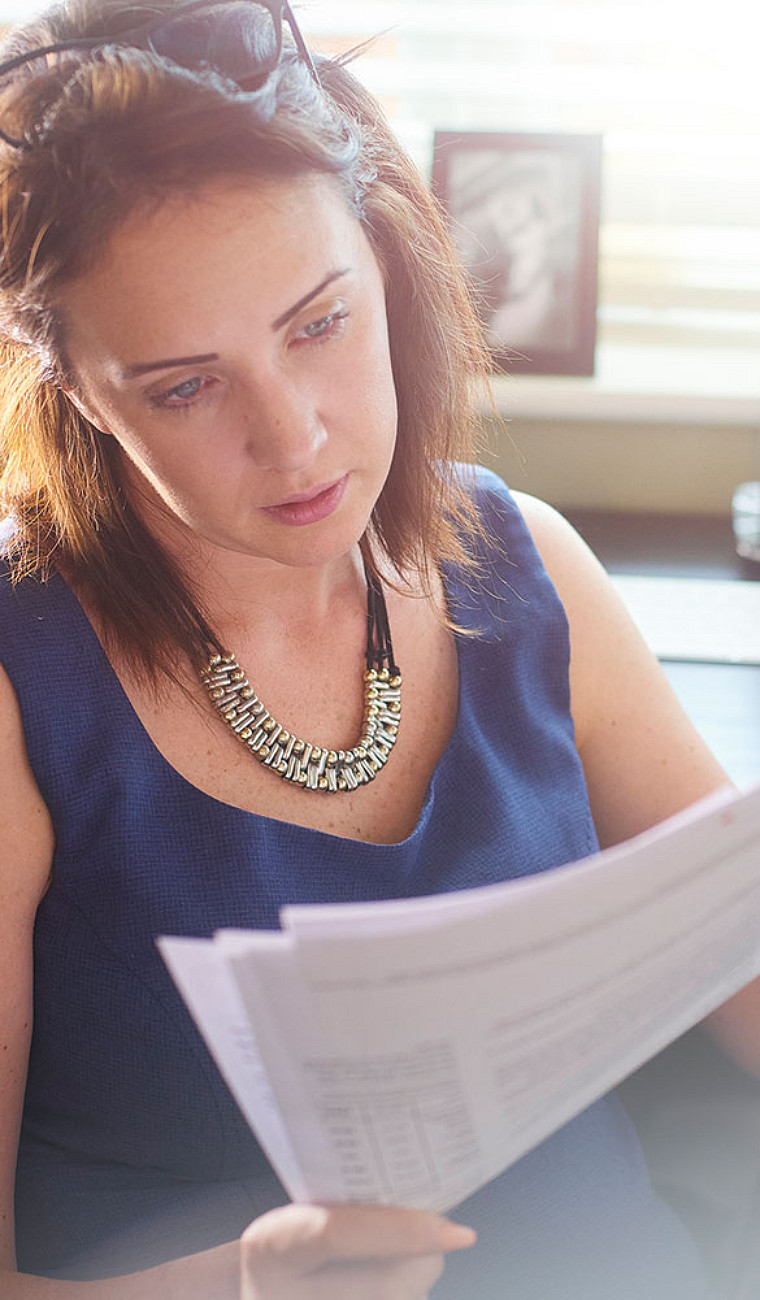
(84, 408)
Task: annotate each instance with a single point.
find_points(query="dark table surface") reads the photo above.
(722, 700)
(684, 546)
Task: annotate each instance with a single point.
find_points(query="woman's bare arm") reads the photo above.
(642, 756)
(297, 1252)
(26, 850)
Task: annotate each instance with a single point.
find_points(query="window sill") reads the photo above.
(645, 385)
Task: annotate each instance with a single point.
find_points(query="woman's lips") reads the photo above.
(310, 509)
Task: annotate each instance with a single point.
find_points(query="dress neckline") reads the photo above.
(275, 825)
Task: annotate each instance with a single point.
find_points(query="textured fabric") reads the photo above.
(132, 1149)
(698, 1116)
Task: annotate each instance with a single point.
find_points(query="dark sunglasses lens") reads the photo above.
(240, 40)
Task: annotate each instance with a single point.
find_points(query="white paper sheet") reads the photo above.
(711, 620)
(414, 1049)
(203, 976)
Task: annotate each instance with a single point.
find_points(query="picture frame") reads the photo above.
(524, 211)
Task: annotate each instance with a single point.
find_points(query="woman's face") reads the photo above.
(236, 347)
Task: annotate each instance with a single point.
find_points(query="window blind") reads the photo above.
(671, 85)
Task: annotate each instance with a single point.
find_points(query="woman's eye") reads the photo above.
(181, 394)
(324, 327)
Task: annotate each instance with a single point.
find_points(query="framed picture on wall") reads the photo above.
(524, 213)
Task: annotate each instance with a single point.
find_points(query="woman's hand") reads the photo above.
(346, 1252)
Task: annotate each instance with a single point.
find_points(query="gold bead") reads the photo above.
(395, 681)
(302, 778)
(394, 706)
(370, 675)
(228, 659)
(246, 693)
(217, 693)
(238, 675)
(383, 675)
(332, 758)
(269, 725)
(283, 768)
(231, 714)
(323, 783)
(264, 751)
(342, 783)
(299, 747)
(246, 733)
(283, 737)
(316, 752)
(214, 661)
(361, 752)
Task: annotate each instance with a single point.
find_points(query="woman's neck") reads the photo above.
(241, 591)
(237, 590)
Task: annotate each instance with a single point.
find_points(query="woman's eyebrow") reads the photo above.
(144, 367)
(307, 298)
(166, 363)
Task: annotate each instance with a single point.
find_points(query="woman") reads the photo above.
(238, 359)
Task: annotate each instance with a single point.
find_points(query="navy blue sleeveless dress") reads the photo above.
(132, 1150)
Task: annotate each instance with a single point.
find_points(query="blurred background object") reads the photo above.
(745, 513)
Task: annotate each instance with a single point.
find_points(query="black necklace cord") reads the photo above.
(379, 644)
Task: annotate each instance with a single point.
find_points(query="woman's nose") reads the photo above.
(285, 429)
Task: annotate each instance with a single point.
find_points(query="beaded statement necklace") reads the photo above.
(314, 767)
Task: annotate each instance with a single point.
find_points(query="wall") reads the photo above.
(687, 468)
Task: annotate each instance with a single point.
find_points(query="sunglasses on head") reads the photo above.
(241, 39)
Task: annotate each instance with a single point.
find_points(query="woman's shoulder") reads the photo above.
(29, 602)
(535, 530)
(507, 589)
(490, 492)
(26, 836)
(512, 524)
(48, 652)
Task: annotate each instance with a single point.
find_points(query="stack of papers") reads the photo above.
(409, 1051)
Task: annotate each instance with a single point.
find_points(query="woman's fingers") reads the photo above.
(406, 1279)
(311, 1236)
(355, 1252)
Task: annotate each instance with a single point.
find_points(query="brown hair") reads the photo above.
(107, 129)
